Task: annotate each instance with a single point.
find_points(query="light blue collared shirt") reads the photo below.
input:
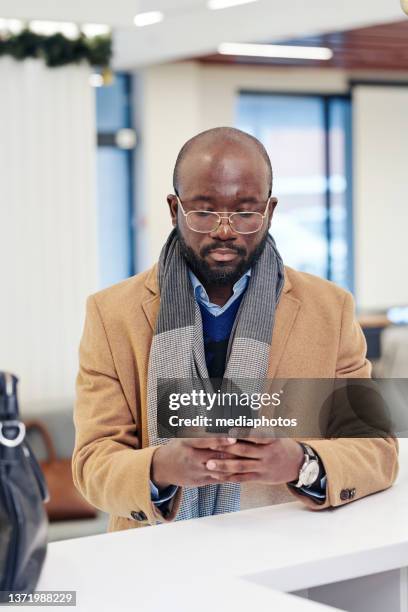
(202, 298)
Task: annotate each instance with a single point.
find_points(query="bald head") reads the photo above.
(218, 143)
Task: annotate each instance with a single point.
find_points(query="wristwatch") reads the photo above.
(310, 469)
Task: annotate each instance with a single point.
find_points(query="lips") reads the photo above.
(223, 254)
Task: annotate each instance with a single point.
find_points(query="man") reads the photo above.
(219, 303)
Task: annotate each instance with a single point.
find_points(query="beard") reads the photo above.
(221, 274)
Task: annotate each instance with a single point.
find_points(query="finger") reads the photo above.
(263, 440)
(210, 443)
(222, 443)
(233, 465)
(247, 450)
(204, 455)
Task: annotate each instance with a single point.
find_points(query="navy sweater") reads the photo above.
(216, 332)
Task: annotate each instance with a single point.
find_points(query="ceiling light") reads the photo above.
(149, 18)
(15, 26)
(276, 51)
(95, 29)
(48, 28)
(214, 5)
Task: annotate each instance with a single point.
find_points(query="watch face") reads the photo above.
(310, 473)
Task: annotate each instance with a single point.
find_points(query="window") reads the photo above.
(114, 181)
(307, 138)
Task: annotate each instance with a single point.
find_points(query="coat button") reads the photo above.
(352, 493)
(138, 516)
(345, 494)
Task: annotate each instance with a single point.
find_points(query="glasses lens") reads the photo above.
(201, 221)
(246, 222)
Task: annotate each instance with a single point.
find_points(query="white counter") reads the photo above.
(255, 553)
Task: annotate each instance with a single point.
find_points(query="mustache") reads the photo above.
(222, 245)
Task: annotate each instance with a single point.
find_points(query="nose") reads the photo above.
(224, 231)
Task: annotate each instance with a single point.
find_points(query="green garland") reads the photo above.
(57, 49)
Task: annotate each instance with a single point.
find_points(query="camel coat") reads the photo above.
(315, 335)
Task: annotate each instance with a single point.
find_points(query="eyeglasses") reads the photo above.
(206, 221)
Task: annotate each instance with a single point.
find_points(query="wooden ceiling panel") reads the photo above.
(381, 47)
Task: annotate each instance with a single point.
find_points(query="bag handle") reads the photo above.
(45, 435)
(8, 396)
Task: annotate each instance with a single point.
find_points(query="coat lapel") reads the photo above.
(151, 307)
(151, 302)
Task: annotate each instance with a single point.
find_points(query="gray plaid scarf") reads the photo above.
(177, 349)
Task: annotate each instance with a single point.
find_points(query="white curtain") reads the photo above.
(48, 224)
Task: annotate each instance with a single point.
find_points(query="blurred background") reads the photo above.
(89, 140)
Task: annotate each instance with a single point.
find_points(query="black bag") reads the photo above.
(23, 520)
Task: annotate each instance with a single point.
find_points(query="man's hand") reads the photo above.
(273, 461)
(183, 461)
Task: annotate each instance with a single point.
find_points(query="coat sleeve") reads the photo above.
(110, 469)
(355, 467)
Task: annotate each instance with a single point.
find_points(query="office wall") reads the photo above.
(204, 96)
(380, 140)
(47, 224)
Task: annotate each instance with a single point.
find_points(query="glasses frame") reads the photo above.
(222, 216)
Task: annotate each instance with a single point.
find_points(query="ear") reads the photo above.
(173, 205)
(272, 205)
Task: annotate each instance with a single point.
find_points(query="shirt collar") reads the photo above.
(199, 289)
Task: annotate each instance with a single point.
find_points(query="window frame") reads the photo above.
(327, 99)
